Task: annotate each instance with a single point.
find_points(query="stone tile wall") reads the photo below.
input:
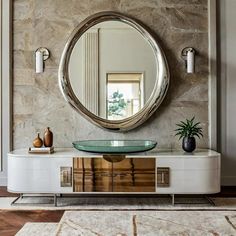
(38, 102)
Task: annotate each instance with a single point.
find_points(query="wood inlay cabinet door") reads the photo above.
(134, 175)
(92, 175)
(99, 175)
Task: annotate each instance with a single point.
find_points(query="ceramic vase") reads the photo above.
(38, 142)
(48, 138)
(189, 144)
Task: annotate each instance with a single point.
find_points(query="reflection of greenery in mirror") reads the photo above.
(124, 95)
(116, 104)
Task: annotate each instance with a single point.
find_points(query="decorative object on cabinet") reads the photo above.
(114, 157)
(188, 54)
(42, 150)
(114, 146)
(48, 138)
(38, 142)
(66, 176)
(127, 39)
(41, 55)
(188, 130)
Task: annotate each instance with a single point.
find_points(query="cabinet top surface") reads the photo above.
(71, 152)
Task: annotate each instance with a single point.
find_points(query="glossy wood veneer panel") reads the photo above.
(134, 175)
(99, 175)
(92, 175)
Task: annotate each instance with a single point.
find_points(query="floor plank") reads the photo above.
(12, 221)
(5, 193)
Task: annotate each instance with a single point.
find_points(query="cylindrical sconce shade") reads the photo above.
(41, 55)
(188, 54)
(190, 61)
(39, 62)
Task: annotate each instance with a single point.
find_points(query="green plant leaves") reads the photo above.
(116, 104)
(189, 129)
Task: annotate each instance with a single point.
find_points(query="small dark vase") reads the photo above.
(189, 144)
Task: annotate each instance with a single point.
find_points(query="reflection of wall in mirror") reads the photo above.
(123, 49)
(83, 70)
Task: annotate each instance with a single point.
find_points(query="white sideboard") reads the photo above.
(196, 173)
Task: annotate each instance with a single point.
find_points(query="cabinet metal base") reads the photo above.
(191, 203)
(55, 197)
(14, 202)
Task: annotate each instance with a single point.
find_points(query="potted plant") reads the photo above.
(188, 130)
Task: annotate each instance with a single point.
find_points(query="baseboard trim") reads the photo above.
(228, 181)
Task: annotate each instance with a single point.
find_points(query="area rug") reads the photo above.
(118, 203)
(38, 229)
(140, 223)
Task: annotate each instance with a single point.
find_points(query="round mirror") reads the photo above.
(113, 71)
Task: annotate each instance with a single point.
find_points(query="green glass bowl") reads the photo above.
(114, 146)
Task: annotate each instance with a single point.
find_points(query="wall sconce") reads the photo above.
(41, 55)
(188, 54)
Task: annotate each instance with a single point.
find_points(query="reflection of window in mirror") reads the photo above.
(125, 95)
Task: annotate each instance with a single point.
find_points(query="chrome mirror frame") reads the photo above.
(160, 87)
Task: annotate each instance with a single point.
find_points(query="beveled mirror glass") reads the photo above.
(113, 71)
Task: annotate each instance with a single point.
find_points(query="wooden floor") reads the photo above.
(12, 221)
(4, 193)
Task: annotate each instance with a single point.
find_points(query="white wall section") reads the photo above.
(6, 63)
(228, 90)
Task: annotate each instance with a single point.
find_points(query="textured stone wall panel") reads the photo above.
(38, 102)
